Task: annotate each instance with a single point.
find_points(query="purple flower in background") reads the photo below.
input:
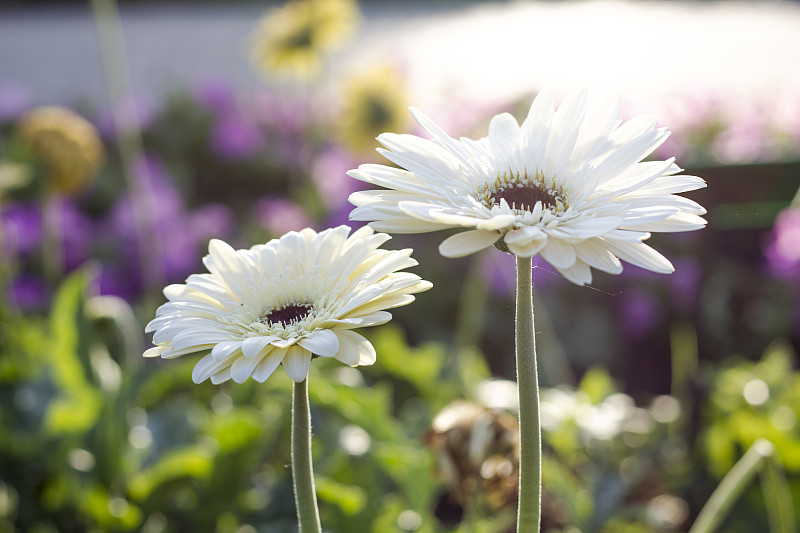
(640, 312)
(236, 137)
(285, 114)
(782, 248)
(279, 215)
(14, 100)
(211, 221)
(287, 121)
(499, 270)
(76, 234)
(215, 95)
(745, 139)
(134, 114)
(28, 292)
(119, 280)
(339, 217)
(684, 283)
(172, 247)
(21, 228)
(329, 174)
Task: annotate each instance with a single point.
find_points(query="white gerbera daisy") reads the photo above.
(280, 302)
(569, 185)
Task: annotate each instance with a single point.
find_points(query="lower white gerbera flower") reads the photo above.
(282, 302)
(569, 185)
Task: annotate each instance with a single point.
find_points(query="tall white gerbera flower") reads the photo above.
(569, 185)
(282, 302)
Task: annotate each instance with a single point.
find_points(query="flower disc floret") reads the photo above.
(284, 302)
(570, 185)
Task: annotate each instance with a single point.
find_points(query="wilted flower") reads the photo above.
(373, 102)
(283, 302)
(568, 185)
(476, 449)
(67, 144)
(292, 39)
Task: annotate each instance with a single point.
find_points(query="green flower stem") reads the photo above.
(129, 138)
(529, 512)
(53, 237)
(732, 486)
(302, 470)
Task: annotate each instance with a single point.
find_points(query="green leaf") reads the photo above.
(78, 403)
(191, 461)
(234, 430)
(349, 498)
(420, 366)
(411, 467)
(597, 384)
(110, 512)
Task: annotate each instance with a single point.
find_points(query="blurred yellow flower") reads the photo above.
(67, 144)
(291, 40)
(373, 103)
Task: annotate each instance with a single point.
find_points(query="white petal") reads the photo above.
(592, 227)
(322, 342)
(504, 134)
(558, 253)
(593, 253)
(406, 225)
(285, 343)
(579, 273)
(526, 241)
(566, 128)
(383, 302)
(373, 319)
(221, 376)
(497, 222)
(172, 353)
(224, 349)
(253, 346)
(448, 216)
(447, 142)
(354, 349)
(676, 222)
(155, 351)
(296, 363)
(268, 364)
(536, 128)
(467, 242)
(242, 367)
(198, 337)
(639, 254)
(206, 367)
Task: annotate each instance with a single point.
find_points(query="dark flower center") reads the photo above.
(523, 198)
(287, 315)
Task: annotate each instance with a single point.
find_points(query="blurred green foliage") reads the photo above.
(94, 439)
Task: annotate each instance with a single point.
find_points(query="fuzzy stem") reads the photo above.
(529, 512)
(302, 470)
